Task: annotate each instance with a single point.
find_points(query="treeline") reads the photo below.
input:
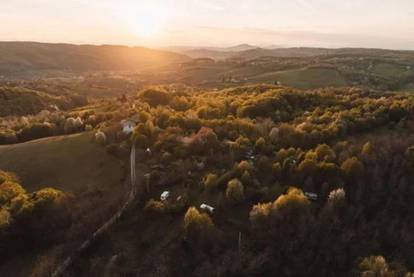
(20, 101)
(30, 220)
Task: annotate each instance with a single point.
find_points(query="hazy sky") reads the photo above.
(331, 23)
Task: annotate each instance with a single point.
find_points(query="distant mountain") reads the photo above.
(301, 52)
(238, 48)
(23, 57)
(217, 53)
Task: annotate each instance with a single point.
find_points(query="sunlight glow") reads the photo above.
(146, 20)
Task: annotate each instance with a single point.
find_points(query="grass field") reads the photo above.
(71, 163)
(387, 70)
(307, 78)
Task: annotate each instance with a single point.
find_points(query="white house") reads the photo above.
(206, 207)
(128, 125)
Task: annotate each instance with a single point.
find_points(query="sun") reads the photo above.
(146, 20)
(147, 25)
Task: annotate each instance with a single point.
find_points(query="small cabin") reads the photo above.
(165, 195)
(207, 208)
(311, 196)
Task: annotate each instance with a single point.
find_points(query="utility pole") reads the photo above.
(147, 181)
(239, 245)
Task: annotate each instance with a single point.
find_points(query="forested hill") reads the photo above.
(22, 57)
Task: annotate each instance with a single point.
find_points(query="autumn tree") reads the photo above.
(235, 191)
(198, 227)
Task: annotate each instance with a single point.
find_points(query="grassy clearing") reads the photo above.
(388, 70)
(70, 163)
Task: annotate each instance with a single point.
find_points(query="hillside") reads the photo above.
(79, 168)
(71, 163)
(17, 58)
(216, 53)
(18, 100)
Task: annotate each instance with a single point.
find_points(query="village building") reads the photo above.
(128, 125)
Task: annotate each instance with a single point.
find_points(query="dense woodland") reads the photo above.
(307, 181)
(254, 153)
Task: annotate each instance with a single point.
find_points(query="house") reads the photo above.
(165, 195)
(206, 207)
(311, 196)
(128, 125)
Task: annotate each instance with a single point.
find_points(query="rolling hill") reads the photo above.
(19, 58)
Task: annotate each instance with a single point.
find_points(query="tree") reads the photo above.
(155, 97)
(307, 168)
(235, 191)
(325, 153)
(375, 266)
(293, 201)
(154, 207)
(352, 168)
(198, 227)
(100, 137)
(210, 181)
(367, 149)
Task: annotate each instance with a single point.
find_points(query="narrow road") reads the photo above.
(108, 224)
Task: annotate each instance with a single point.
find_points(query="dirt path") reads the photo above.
(108, 224)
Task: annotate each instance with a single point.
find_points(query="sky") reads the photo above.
(161, 23)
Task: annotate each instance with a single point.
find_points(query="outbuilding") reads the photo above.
(128, 125)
